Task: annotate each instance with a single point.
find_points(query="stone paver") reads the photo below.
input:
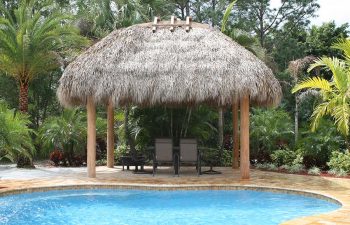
(13, 179)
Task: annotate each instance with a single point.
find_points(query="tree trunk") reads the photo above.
(24, 161)
(213, 19)
(188, 8)
(23, 97)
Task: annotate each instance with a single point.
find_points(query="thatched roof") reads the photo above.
(136, 66)
(297, 66)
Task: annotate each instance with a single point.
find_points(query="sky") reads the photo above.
(337, 10)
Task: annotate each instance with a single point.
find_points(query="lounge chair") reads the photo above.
(189, 154)
(163, 153)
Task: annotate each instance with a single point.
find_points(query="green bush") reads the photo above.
(340, 161)
(314, 171)
(270, 129)
(266, 166)
(286, 157)
(226, 158)
(66, 132)
(120, 151)
(296, 168)
(338, 173)
(15, 135)
(317, 147)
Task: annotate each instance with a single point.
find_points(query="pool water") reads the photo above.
(157, 207)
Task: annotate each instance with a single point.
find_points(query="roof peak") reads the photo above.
(174, 23)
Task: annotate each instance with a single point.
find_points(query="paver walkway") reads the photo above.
(12, 178)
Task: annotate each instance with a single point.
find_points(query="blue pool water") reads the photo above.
(157, 207)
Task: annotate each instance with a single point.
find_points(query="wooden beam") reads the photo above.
(110, 135)
(91, 137)
(235, 136)
(245, 164)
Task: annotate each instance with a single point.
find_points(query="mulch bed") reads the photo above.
(323, 174)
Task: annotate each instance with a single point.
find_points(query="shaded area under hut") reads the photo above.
(168, 63)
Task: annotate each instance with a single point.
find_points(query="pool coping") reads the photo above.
(167, 187)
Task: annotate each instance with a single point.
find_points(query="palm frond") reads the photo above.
(313, 83)
(319, 112)
(227, 15)
(343, 45)
(338, 69)
(341, 114)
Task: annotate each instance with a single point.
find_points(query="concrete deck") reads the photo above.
(12, 179)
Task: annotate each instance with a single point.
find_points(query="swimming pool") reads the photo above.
(105, 206)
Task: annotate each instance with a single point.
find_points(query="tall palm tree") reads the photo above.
(296, 68)
(31, 38)
(335, 93)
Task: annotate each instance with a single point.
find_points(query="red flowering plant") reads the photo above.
(57, 157)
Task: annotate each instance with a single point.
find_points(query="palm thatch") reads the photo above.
(136, 66)
(297, 66)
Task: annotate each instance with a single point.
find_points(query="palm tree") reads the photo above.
(30, 39)
(335, 93)
(296, 69)
(15, 136)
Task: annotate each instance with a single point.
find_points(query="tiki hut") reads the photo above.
(168, 63)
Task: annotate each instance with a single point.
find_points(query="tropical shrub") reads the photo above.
(266, 166)
(15, 135)
(119, 152)
(317, 147)
(314, 171)
(270, 129)
(338, 173)
(296, 168)
(285, 157)
(67, 133)
(57, 157)
(340, 161)
(226, 158)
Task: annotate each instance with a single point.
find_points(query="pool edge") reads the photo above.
(173, 188)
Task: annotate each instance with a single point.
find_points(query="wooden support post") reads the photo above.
(110, 135)
(155, 23)
(235, 136)
(91, 137)
(245, 164)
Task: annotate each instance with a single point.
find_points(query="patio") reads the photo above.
(19, 180)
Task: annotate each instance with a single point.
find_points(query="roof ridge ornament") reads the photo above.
(188, 23)
(174, 22)
(155, 23)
